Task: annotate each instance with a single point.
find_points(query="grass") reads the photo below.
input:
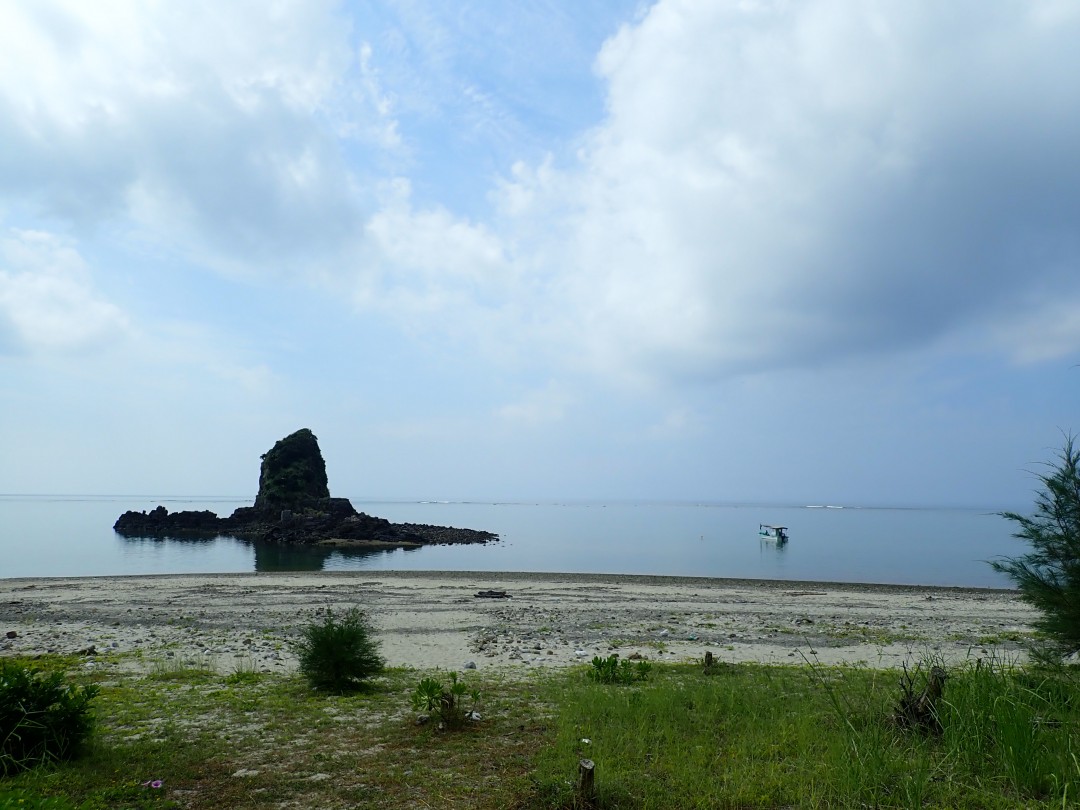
(866, 634)
(749, 736)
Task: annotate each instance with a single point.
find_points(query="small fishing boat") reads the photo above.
(770, 532)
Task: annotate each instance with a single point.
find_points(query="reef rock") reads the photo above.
(294, 506)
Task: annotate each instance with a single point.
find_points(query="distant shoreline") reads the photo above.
(569, 576)
(569, 502)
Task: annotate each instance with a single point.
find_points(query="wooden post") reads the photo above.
(586, 787)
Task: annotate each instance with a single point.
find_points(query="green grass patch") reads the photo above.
(760, 736)
(746, 736)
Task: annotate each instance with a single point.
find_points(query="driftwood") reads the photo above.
(918, 709)
(492, 595)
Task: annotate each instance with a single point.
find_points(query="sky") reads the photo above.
(721, 250)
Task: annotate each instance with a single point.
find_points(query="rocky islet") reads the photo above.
(293, 506)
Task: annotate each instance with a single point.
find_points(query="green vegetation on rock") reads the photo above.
(293, 473)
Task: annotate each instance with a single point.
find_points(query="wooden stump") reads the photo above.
(586, 786)
(918, 710)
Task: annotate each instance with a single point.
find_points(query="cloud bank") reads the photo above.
(785, 185)
(769, 185)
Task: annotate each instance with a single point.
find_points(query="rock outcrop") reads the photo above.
(294, 506)
(293, 474)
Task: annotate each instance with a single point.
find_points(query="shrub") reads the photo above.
(339, 655)
(433, 696)
(42, 718)
(612, 670)
(1049, 575)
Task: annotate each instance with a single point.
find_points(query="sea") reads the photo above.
(72, 536)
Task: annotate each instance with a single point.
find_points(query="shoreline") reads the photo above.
(428, 619)
(655, 579)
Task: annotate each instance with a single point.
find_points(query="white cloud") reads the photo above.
(780, 184)
(772, 185)
(212, 128)
(1042, 332)
(49, 304)
(438, 274)
(432, 246)
(677, 423)
(47, 300)
(543, 406)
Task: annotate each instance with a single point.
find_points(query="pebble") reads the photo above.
(470, 665)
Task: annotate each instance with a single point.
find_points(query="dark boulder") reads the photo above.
(160, 522)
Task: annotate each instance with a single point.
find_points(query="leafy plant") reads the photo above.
(1049, 575)
(339, 655)
(445, 700)
(612, 670)
(42, 718)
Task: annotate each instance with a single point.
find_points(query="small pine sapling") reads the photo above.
(339, 655)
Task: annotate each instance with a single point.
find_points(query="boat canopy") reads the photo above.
(771, 532)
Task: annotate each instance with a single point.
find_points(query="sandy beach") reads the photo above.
(436, 619)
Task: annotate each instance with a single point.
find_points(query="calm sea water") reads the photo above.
(47, 536)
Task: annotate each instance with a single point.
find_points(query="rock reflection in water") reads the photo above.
(279, 557)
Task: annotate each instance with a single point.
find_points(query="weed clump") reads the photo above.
(445, 700)
(612, 670)
(918, 707)
(42, 718)
(339, 655)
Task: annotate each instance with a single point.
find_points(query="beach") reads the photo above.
(236, 622)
